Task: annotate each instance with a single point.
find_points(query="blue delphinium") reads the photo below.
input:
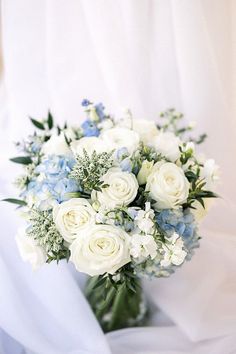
(90, 128)
(100, 111)
(52, 183)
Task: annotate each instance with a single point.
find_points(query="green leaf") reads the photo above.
(37, 124)
(15, 201)
(24, 160)
(50, 121)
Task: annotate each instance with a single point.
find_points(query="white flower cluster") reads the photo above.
(141, 212)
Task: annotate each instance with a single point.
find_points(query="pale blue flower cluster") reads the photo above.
(52, 183)
(181, 222)
(90, 127)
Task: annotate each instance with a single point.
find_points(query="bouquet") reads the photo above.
(119, 198)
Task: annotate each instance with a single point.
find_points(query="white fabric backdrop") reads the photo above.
(146, 55)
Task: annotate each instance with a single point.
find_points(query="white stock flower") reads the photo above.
(90, 144)
(174, 252)
(144, 171)
(210, 172)
(167, 144)
(121, 191)
(118, 137)
(167, 185)
(143, 246)
(102, 249)
(72, 217)
(146, 129)
(144, 219)
(56, 145)
(29, 250)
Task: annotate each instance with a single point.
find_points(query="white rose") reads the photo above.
(146, 129)
(90, 144)
(102, 249)
(72, 217)
(118, 137)
(144, 171)
(121, 191)
(210, 172)
(29, 250)
(167, 144)
(143, 246)
(167, 185)
(56, 145)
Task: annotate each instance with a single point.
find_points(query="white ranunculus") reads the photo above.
(210, 172)
(118, 137)
(29, 250)
(146, 129)
(90, 144)
(56, 145)
(102, 249)
(121, 190)
(167, 144)
(167, 185)
(143, 246)
(144, 171)
(72, 217)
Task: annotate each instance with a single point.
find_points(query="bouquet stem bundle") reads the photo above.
(116, 306)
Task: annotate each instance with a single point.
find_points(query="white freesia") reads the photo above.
(117, 138)
(90, 144)
(144, 219)
(72, 217)
(167, 185)
(146, 129)
(29, 250)
(144, 171)
(167, 144)
(210, 172)
(101, 249)
(121, 190)
(143, 246)
(56, 145)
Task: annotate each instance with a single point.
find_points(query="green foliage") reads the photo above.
(24, 160)
(15, 201)
(89, 170)
(44, 231)
(50, 121)
(197, 191)
(116, 299)
(37, 124)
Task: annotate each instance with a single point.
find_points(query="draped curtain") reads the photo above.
(147, 55)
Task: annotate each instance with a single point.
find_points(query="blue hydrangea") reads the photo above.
(181, 222)
(52, 183)
(90, 128)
